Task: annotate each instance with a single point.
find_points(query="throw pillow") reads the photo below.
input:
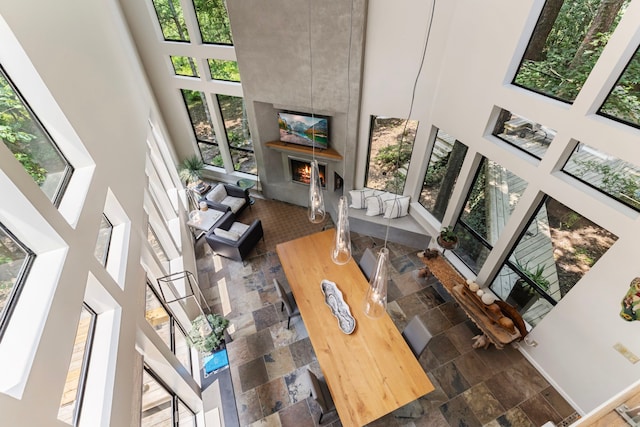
(217, 194)
(375, 204)
(358, 197)
(229, 235)
(396, 207)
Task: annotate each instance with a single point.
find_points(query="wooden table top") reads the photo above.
(370, 372)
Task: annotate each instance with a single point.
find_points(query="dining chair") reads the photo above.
(417, 335)
(367, 263)
(320, 393)
(288, 302)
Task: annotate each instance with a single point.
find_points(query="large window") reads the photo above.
(442, 173)
(610, 175)
(162, 320)
(493, 196)
(523, 133)
(15, 260)
(213, 21)
(71, 402)
(623, 102)
(30, 143)
(158, 249)
(161, 407)
(557, 248)
(390, 147)
(565, 45)
(236, 125)
(171, 19)
(202, 127)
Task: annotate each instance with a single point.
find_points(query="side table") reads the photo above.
(247, 184)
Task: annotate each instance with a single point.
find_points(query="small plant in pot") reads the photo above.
(190, 171)
(447, 238)
(207, 343)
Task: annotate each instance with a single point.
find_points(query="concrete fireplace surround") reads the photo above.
(277, 76)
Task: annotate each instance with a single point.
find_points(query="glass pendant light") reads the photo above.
(341, 251)
(316, 210)
(375, 300)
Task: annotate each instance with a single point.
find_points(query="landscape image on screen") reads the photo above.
(304, 130)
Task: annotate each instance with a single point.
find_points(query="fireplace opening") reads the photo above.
(301, 171)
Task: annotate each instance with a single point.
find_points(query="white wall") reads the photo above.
(473, 52)
(79, 73)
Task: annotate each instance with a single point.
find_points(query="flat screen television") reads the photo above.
(304, 129)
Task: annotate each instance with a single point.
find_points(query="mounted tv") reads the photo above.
(304, 129)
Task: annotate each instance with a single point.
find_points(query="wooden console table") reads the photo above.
(454, 283)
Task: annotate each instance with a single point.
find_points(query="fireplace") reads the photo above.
(301, 171)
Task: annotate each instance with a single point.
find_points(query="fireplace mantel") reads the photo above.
(329, 153)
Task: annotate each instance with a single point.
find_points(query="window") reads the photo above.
(213, 21)
(557, 248)
(222, 69)
(161, 407)
(184, 66)
(196, 104)
(442, 173)
(565, 45)
(493, 196)
(170, 330)
(71, 402)
(28, 140)
(104, 238)
(161, 254)
(171, 19)
(15, 260)
(623, 102)
(523, 133)
(236, 125)
(389, 153)
(608, 174)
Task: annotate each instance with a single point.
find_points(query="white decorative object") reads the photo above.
(488, 298)
(480, 292)
(375, 300)
(341, 251)
(334, 299)
(473, 287)
(203, 206)
(316, 211)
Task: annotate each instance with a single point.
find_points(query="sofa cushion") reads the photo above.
(230, 235)
(235, 203)
(375, 204)
(239, 228)
(358, 197)
(396, 207)
(217, 194)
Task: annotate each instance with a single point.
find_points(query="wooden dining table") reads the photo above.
(371, 371)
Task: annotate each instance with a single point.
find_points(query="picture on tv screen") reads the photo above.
(303, 129)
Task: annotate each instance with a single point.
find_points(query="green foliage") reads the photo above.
(537, 276)
(214, 21)
(212, 341)
(475, 214)
(184, 66)
(171, 19)
(224, 70)
(565, 67)
(448, 235)
(191, 169)
(436, 171)
(37, 172)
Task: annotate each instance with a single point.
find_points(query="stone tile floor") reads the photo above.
(473, 387)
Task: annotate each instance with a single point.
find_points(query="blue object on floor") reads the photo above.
(216, 361)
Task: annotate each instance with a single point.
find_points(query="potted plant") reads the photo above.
(523, 294)
(190, 171)
(447, 238)
(206, 342)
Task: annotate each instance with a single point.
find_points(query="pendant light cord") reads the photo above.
(346, 130)
(313, 125)
(413, 97)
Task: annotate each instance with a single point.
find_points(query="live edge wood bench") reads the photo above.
(486, 321)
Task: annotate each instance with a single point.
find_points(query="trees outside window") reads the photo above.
(202, 126)
(565, 45)
(30, 143)
(442, 173)
(390, 148)
(623, 102)
(213, 21)
(184, 66)
(171, 20)
(236, 125)
(222, 69)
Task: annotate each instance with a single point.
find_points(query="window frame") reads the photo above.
(226, 133)
(175, 418)
(21, 278)
(69, 169)
(106, 249)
